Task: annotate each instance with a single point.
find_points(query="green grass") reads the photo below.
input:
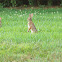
(18, 45)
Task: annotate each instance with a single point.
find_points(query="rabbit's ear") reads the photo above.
(32, 15)
(0, 18)
(29, 15)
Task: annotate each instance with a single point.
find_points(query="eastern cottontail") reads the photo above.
(31, 25)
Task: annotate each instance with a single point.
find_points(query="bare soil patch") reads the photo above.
(33, 7)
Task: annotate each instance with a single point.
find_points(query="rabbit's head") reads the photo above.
(30, 17)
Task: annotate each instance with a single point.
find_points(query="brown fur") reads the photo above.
(31, 25)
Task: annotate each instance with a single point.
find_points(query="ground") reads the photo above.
(18, 45)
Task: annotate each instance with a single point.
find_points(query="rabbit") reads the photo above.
(31, 25)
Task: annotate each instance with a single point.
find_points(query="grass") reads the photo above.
(18, 45)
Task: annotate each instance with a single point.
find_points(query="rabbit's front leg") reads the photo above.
(29, 29)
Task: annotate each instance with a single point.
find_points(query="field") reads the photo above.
(18, 45)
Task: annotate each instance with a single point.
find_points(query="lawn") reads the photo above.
(18, 45)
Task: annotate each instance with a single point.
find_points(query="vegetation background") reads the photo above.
(8, 3)
(18, 45)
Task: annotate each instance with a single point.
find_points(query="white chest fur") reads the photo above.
(28, 26)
